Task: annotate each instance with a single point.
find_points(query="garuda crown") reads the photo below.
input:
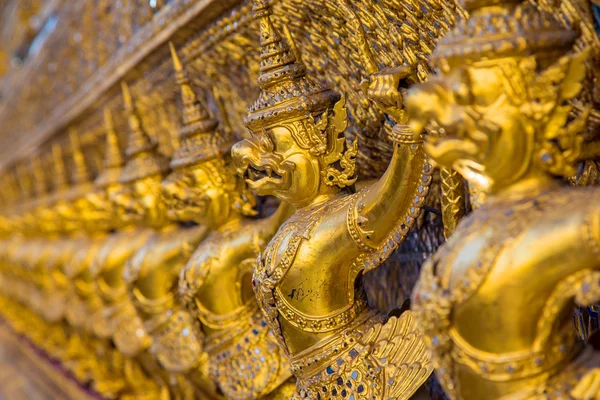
(289, 97)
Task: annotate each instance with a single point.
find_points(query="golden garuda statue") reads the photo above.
(308, 278)
(495, 301)
(244, 359)
(151, 273)
(161, 240)
(117, 319)
(91, 354)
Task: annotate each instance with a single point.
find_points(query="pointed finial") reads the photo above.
(275, 53)
(286, 91)
(60, 173)
(113, 157)
(193, 109)
(127, 96)
(143, 157)
(109, 123)
(176, 61)
(113, 160)
(199, 140)
(139, 141)
(80, 174)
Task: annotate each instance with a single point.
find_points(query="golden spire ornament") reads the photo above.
(308, 278)
(159, 259)
(117, 318)
(288, 93)
(192, 109)
(143, 157)
(199, 139)
(282, 79)
(81, 174)
(113, 159)
(204, 189)
(139, 141)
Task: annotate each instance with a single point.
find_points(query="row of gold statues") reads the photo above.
(157, 281)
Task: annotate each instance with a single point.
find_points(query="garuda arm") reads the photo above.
(380, 217)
